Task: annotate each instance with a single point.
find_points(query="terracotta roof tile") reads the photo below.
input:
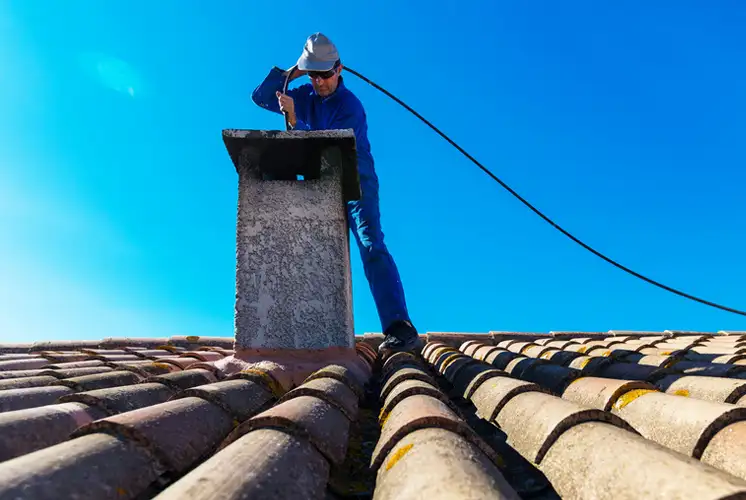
(75, 372)
(553, 377)
(24, 431)
(172, 410)
(585, 462)
(492, 395)
(76, 364)
(404, 373)
(533, 421)
(99, 380)
(330, 390)
(500, 358)
(20, 399)
(715, 389)
(472, 376)
(274, 464)
(184, 379)
(601, 393)
(727, 450)
(20, 383)
(20, 373)
(241, 399)
(406, 389)
(305, 416)
(683, 424)
(122, 399)
(437, 463)
(80, 468)
(17, 348)
(420, 412)
(179, 433)
(24, 364)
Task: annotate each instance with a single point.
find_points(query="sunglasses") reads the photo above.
(322, 74)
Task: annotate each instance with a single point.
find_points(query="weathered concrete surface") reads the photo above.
(293, 280)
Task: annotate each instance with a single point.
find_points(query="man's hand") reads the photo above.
(287, 105)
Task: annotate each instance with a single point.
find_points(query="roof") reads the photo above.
(623, 415)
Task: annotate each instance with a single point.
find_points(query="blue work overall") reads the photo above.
(343, 110)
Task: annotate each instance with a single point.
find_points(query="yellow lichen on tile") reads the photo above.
(273, 385)
(192, 338)
(398, 454)
(681, 392)
(630, 396)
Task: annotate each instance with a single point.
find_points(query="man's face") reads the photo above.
(325, 84)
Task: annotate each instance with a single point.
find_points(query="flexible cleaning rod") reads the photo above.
(523, 200)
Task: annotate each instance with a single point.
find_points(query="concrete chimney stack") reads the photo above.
(293, 280)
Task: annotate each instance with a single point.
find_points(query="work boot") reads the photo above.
(400, 336)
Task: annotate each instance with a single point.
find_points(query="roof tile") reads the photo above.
(184, 379)
(161, 429)
(436, 463)
(242, 399)
(533, 421)
(304, 416)
(81, 469)
(20, 383)
(76, 372)
(265, 463)
(588, 365)
(113, 400)
(628, 371)
(553, 377)
(24, 431)
(4, 375)
(402, 374)
(500, 358)
(349, 377)
(727, 450)
(470, 378)
(24, 364)
(585, 462)
(715, 389)
(99, 381)
(76, 364)
(683, 424)
(406, 389)
(601, 393)
(483, 351)
(518, 366)
(420, 412)
(17, 348)
(20, 399)
(330, 390)
(494, 394)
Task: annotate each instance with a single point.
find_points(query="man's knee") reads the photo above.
(372, 250)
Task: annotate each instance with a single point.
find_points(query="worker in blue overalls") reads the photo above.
(326, 104)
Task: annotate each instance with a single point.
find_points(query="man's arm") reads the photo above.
(266, 94)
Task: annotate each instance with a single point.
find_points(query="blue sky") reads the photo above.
(623, 122)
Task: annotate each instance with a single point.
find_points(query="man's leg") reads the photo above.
(380, 269)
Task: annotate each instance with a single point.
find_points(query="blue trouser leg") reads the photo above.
(380, 269)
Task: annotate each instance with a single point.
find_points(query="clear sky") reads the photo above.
(624, 122)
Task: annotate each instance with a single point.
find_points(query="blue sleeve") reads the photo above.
(265, 95)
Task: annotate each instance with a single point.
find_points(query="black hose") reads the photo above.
(538, 212)
(285, 91)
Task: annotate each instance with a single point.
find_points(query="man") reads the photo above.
(326, 104)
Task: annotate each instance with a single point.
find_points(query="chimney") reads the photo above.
(293, 280)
